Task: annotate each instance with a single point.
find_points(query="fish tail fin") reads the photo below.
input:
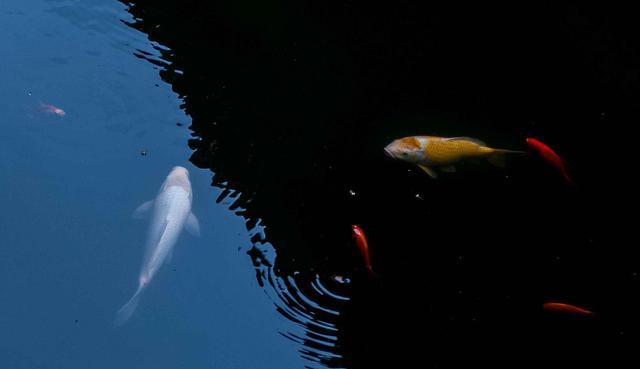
(497, 156)
(128, 309)
(370, 273)
(568, 179)
(505, 151)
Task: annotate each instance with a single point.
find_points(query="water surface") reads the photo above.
(280, 111)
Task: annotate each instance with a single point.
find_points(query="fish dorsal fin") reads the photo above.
(470, 139)
(156, 233)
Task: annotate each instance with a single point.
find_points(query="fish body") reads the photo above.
(429, 152)
(171, 212)
(363, 246)
(48, 108)
(550, 156)
(565, 308)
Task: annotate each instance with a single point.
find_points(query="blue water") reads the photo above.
(70, 251)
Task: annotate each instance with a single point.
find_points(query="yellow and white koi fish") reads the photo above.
(428, 152)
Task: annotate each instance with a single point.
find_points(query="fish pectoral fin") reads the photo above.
(192, 225)
(429, 171)
(448, 169)
(143, 209)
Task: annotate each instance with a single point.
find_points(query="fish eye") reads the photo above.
(405, 154)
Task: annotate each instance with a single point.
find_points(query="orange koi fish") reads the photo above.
(47, 108)
(565, 308)
(363, 246)
(550, 157)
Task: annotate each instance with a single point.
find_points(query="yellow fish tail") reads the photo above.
(518, 152)
(497, 156)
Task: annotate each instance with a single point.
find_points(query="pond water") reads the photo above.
(280, 112)
(70, 249)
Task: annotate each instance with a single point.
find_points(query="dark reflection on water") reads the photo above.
(292, 104)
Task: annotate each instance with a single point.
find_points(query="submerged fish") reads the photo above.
(550, 157)
(565, 308)
(48, 108)
(363, 246)
(171, 212)
(429, 152)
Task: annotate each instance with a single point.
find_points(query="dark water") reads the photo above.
(287, 106)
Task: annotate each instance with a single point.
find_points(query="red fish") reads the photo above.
(363, 246)
(550, 157)
(52, 109)
(566, 308)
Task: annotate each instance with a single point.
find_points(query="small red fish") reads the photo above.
(363, 246)
(566, 308)
(47, 108)
(550, 157)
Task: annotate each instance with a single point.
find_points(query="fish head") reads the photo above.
(408, 149)
(179, 171)
(532, 142)
(179, 176)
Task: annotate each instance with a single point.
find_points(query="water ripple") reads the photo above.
(310, 302)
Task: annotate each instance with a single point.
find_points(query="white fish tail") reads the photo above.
(128, 309)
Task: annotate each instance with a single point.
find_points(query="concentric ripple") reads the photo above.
(310, 302)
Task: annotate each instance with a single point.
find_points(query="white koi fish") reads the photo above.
(171, 212)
